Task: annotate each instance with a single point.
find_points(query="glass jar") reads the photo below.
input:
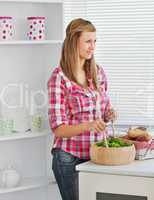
(36, 123)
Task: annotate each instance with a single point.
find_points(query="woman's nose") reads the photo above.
(92, 46)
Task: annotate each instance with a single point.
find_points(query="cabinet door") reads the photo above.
(28, 156)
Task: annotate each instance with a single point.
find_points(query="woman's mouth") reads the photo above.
(89, 53)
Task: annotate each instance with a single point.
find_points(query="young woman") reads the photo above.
(79, 107)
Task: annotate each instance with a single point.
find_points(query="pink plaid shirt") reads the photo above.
(70, 104)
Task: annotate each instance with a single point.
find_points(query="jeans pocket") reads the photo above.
(65, 158)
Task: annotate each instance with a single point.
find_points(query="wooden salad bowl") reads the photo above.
(121, 155)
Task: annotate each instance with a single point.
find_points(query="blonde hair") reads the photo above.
(69, 55)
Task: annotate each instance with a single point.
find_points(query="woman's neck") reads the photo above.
(81, 64)
(81, 75)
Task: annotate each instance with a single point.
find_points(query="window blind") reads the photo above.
(74, 9)
(125, 49)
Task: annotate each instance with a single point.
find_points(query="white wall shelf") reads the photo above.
(22, 136)
(20, 10)
(33, 1)
(26, 184)
(28, 65)
(25, 42)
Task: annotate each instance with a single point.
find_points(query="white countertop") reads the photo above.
(144, 168)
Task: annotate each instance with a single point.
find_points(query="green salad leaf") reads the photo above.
(114, 142)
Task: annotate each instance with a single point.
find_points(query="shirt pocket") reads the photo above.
(81, 102)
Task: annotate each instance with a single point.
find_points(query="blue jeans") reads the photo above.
(63, 166)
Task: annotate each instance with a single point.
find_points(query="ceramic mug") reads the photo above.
(6, 28)
(36, 26)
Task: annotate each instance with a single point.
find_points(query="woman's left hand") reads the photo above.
(110, 115)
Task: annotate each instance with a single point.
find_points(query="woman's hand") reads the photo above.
(97, 125)
(110, 115)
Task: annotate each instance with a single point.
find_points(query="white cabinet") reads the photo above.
(27, 153)
(25, 67)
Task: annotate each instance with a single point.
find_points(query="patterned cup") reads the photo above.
(36, 30)
(6, 28)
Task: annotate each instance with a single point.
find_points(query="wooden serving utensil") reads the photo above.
(105, 139)
(113, 128)
(98, 112)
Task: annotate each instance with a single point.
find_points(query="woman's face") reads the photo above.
(86, 45)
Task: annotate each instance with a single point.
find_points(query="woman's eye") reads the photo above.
(89, 41)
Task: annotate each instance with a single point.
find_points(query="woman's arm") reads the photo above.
(73, 130)
(70, 130)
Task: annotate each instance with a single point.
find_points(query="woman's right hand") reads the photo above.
(97, 125)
